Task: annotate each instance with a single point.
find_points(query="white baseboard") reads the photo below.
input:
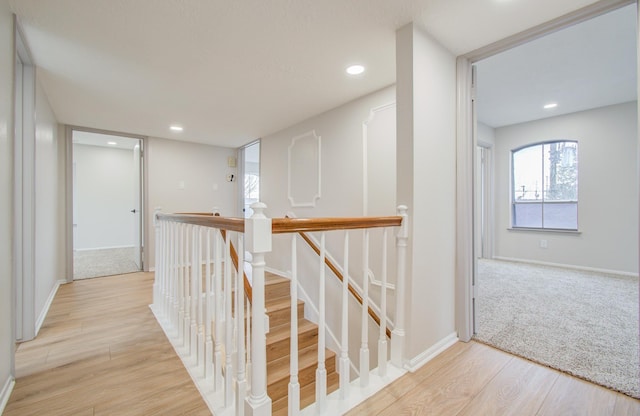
(7, 388)
(567, 266)
(100, 248)
(47, 305)
(424, 357)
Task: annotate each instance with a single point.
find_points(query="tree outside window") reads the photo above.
(545, 186)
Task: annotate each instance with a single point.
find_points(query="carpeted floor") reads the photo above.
(103, 262)
(582, 323)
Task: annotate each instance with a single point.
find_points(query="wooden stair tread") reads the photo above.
(282, 332)
(307, 357)
(279, 340)
(272, 279)
(280, 303)
(278, 308)
(307, 395)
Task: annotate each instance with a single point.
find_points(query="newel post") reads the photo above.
(398, 335)
(258, 239)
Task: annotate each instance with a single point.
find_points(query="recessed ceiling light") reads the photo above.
(176, 128)
(355, 70)
(112, 143)
(550, 105)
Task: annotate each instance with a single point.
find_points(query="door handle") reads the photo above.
(133, 210)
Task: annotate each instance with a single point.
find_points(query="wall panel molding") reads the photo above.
(304, 170)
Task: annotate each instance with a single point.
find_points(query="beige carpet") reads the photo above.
(582, 323)
(103, 262)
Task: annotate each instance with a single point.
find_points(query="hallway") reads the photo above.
(101, 352)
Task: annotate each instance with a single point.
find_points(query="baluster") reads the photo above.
(258, 231)
(397, 336)
(241, 382)
(181, 292)
(294, 385)
(187, 289)
(248, 344)
(166, 266)
(321, 372)
(228, 338)
(364, 347)
(344, 348)
(200, 293)
(174, 278)
(217, 288)
(193, 352)
(158, 271)
(208, 356)
(382, 342)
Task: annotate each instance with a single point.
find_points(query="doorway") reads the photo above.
(249, 177)
(107, 204)
(519, 286)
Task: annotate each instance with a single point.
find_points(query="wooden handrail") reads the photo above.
(337, 272)
(286, 225)
(206, 220)
(299, 225)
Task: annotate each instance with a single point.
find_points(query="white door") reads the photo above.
(250, 177)
(137, 204)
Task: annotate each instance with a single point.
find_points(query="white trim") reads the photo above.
(424, 357)
(357, 394)
(465, 259)
(6, 392)
(102, 248)
(559, 23)
(47, 304)
(317, 196)
(365, 154)
(152, 269)
(465, 154)
(567, 266)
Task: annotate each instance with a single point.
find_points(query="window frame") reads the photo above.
(542, 202)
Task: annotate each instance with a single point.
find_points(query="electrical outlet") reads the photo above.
(543, 244)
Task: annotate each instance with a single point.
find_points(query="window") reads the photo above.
(545, 186)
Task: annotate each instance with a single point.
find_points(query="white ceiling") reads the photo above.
(234, 71)
(589, 65)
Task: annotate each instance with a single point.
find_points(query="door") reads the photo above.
(108, 204)
(137, 205)
(250, 177)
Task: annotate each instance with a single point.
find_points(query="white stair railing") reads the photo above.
(199, 299)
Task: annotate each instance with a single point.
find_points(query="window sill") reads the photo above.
(545, 230)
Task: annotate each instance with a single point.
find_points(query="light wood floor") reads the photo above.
(101, 352)
(474, 379)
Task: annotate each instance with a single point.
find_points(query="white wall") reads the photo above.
(607, 190)
(426, 96)
(6, 202)
(486, 135)
(187, 177)
(341, 132)
(49, 190)
(104, 197)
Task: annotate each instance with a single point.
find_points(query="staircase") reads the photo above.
(278, 306)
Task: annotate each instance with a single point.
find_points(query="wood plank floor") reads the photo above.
(101, 352)
(474, 379)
